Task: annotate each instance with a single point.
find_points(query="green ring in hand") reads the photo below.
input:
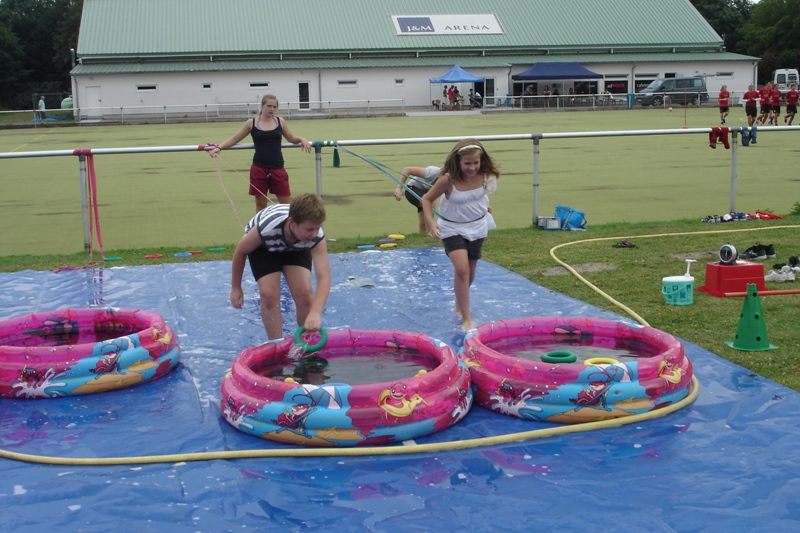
(560, 356)
(298, 340)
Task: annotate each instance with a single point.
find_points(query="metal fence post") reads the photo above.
(84, 202)
(536, 139)
(318, 158)
(734, 136)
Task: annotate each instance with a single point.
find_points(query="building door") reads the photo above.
(489, 94)
(302, 94)
(93, 102)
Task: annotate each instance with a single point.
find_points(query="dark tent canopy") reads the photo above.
(557, 71)
(456, 75)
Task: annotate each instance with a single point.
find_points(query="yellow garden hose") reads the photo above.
(657, 235)
(370, 450)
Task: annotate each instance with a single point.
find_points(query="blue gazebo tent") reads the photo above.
(557, 71)
(457, 75)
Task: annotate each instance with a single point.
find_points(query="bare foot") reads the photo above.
(467, 325)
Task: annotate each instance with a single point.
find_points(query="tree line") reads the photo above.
(37, 36)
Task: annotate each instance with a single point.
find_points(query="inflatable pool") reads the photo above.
(83, 351)
(304, 409)
(652, 372)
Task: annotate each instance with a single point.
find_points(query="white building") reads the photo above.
(204, 52)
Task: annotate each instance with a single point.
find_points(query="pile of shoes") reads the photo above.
(727, 217)
(758, 252)
(783, 272)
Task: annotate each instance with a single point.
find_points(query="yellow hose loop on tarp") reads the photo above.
(622, 306)
(371, 450)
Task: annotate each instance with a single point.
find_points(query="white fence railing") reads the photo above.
(219, 111)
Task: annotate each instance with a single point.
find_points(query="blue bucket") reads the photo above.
(678, 290)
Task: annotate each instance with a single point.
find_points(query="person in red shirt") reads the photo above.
(791, 104)
(750, 107)
(723, 99)
(765, 94)
(776, 106)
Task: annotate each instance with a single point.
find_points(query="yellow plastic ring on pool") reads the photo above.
(397, 236)
(600, 361)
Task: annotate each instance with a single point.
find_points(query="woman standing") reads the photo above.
(267, 173)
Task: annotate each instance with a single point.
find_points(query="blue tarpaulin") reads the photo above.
(729, 461)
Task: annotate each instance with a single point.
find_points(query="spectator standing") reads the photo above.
(267, 173)
(42, 109)
(546, 92)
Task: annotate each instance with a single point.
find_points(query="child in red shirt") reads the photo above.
(791, 104)
(724, 99)
(750, 107)
(775, 111)
(765, 94)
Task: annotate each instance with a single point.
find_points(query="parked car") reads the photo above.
(678, 91)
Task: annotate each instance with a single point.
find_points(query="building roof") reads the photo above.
(158, 67)
(272, 29)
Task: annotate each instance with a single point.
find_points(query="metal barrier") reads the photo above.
(225, 111)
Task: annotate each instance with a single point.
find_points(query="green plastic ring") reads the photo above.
(559, 356)
(298, 340)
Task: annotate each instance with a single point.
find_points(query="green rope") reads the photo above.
(381, 167)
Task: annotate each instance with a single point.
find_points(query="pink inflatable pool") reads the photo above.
(83, 351)
(317, 413)
(554, 386)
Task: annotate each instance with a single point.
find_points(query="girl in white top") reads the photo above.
(469, 174)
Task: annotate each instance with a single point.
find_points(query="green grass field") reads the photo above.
(171, 199)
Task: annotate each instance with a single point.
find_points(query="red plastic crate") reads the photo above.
(722, 278)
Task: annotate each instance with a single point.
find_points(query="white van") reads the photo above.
(784, 78)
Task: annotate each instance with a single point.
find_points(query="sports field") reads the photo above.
(177, 199)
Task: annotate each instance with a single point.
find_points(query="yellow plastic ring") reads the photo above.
(397, 236)
(389, 245)
(600, 361)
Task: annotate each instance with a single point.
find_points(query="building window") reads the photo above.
(399, 82)
(259, 84)
(146, 88)
(348, 83)
(725, 75)
(206, 86)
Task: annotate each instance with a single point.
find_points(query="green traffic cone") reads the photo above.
(751, 334)
(335, 158)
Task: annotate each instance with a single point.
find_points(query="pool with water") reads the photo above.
(354, 366)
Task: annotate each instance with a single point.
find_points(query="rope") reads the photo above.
(409, 448)
(94, 213)
(381, 167)
(219, 178)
